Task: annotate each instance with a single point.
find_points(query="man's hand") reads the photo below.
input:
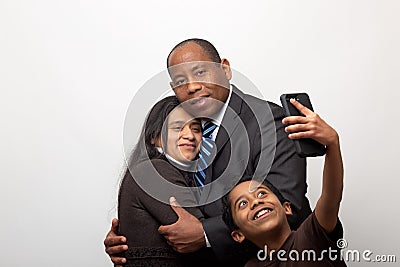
(115, 244)
(186, 234)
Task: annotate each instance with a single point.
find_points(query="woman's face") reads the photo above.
(183, 135)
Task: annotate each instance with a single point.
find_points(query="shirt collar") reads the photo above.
(187, 166)
(220, 115)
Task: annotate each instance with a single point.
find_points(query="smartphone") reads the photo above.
(305, 147)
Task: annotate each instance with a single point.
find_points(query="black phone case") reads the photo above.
(305, 147)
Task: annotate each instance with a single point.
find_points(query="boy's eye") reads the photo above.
(242, 203)
(261, 194)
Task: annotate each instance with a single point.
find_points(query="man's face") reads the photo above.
(257, 212)
(199, 83)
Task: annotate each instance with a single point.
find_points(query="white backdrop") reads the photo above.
(69, 69)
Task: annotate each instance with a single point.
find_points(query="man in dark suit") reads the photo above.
(250, 141)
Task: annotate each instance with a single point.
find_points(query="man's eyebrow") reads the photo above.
(197, 66)
(193, 68)
(176, 76)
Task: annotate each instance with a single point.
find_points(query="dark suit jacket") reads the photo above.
(251, 143)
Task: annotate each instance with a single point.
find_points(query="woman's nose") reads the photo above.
(187, 133)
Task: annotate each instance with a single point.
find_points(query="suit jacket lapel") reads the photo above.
(230, 119)
(230, 122)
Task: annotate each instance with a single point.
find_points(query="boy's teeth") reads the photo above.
(261, 213)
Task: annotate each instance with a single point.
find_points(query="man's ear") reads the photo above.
(288, 208)
(172, 86)
(238, 236)
(226, 66)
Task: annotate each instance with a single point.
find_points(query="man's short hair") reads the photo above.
(208, 48)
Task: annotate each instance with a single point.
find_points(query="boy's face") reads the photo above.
(256, 212)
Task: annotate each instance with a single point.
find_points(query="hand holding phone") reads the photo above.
(305, 147)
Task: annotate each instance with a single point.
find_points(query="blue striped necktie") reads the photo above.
(206, 151)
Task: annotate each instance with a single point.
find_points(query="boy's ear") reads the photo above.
(238, 236)
(288, 208)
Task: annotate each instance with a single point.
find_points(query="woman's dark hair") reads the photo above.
(227, 214)
(145, 149)
(151, 131)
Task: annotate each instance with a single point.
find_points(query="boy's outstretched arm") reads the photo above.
(312, 126)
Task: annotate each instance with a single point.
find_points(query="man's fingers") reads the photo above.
(116, 249)
(177, 208)
(173, 202)
(115, 240)
(304, 110)
(114, 225)
(112, 237)
(163, 230)
(118, 260)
